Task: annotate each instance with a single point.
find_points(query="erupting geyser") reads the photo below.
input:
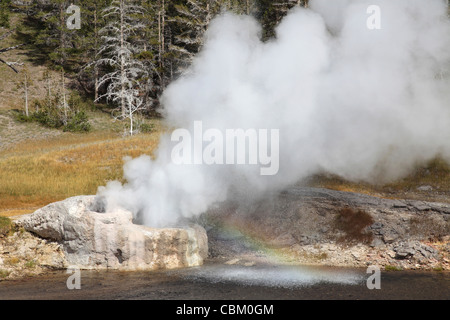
(363, 103)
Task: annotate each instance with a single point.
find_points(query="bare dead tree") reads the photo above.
(3, 50)
(125, 81)
(9, 63)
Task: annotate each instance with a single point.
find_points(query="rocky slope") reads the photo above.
(327, 227)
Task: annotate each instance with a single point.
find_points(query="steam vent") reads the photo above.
(95, 240)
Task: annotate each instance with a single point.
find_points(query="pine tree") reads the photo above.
(239, 6)
(48, 84)
(192, 20)
(58, 42)
(92, 22)
(151, 55)
(62, 103)
(270, 12)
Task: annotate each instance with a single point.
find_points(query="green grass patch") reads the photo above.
(4, 273)
(30, 264)
(5, 226)
(392, 268)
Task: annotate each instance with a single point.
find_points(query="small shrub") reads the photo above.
(4, 273)
(30, 264)
(146, 128)
(12, 261)
(49, 114)
(79, 122)
(47, 119)
(79, 103)
(5, 226)
(22, 117)
(322, 256)
(352, 223)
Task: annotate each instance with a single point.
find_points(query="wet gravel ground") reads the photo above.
(223, 282)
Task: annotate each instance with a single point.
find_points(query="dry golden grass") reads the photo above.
(435, 173)
(40, 165)
(35, 173)
(336, 183)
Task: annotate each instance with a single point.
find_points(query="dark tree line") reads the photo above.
(160, 37)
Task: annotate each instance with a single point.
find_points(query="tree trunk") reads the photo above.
(208, 16)
(161, 37)
(131, 122)
(96, 53)
(61, 33)
(26, 94)
(96, 83)
(49, 92)
(122, 59)
(159, 40)
(63, 92)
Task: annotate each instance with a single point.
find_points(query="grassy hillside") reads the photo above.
(39, 165)
(428, 182)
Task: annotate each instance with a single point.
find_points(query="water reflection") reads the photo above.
(274, 276)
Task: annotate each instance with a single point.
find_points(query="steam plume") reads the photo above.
(363, 104)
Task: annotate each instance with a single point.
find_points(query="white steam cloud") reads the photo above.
(363, 104)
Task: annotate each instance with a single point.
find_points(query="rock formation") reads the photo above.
(301, 225)
(96, 240)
